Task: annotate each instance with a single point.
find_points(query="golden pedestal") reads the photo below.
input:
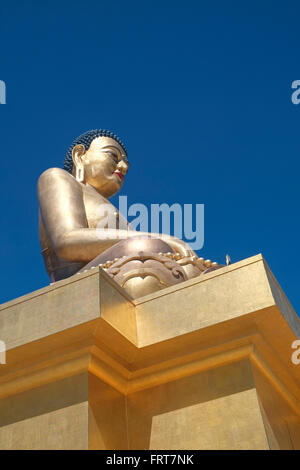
(203, 365)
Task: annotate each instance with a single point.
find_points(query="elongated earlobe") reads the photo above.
(77, 156)
(79, 174)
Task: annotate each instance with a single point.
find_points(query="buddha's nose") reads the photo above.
(122, 167)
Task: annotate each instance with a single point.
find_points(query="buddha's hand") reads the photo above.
(179, 246)
(187, 255)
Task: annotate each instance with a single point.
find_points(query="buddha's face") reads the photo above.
(104, 164)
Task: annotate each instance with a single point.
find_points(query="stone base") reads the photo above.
(202, 365)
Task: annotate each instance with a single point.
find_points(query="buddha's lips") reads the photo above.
(119, 175)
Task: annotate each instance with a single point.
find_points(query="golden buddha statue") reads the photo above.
(95, 169)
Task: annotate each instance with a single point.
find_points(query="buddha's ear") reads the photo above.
(77, 154)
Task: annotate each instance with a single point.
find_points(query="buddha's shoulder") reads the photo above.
(53, 175)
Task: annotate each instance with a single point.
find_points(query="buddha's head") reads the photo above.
(98, 158)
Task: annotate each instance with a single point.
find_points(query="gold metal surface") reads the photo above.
(204, 411)
(230, 422)
(213, 365)
(27, 420)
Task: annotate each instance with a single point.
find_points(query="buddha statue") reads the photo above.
(70, 202)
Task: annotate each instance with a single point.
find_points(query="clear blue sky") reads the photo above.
(200, 92)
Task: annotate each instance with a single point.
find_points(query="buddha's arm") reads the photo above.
(63, 214)
(64, 217)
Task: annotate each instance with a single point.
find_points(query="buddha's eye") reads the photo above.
(114, 156)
